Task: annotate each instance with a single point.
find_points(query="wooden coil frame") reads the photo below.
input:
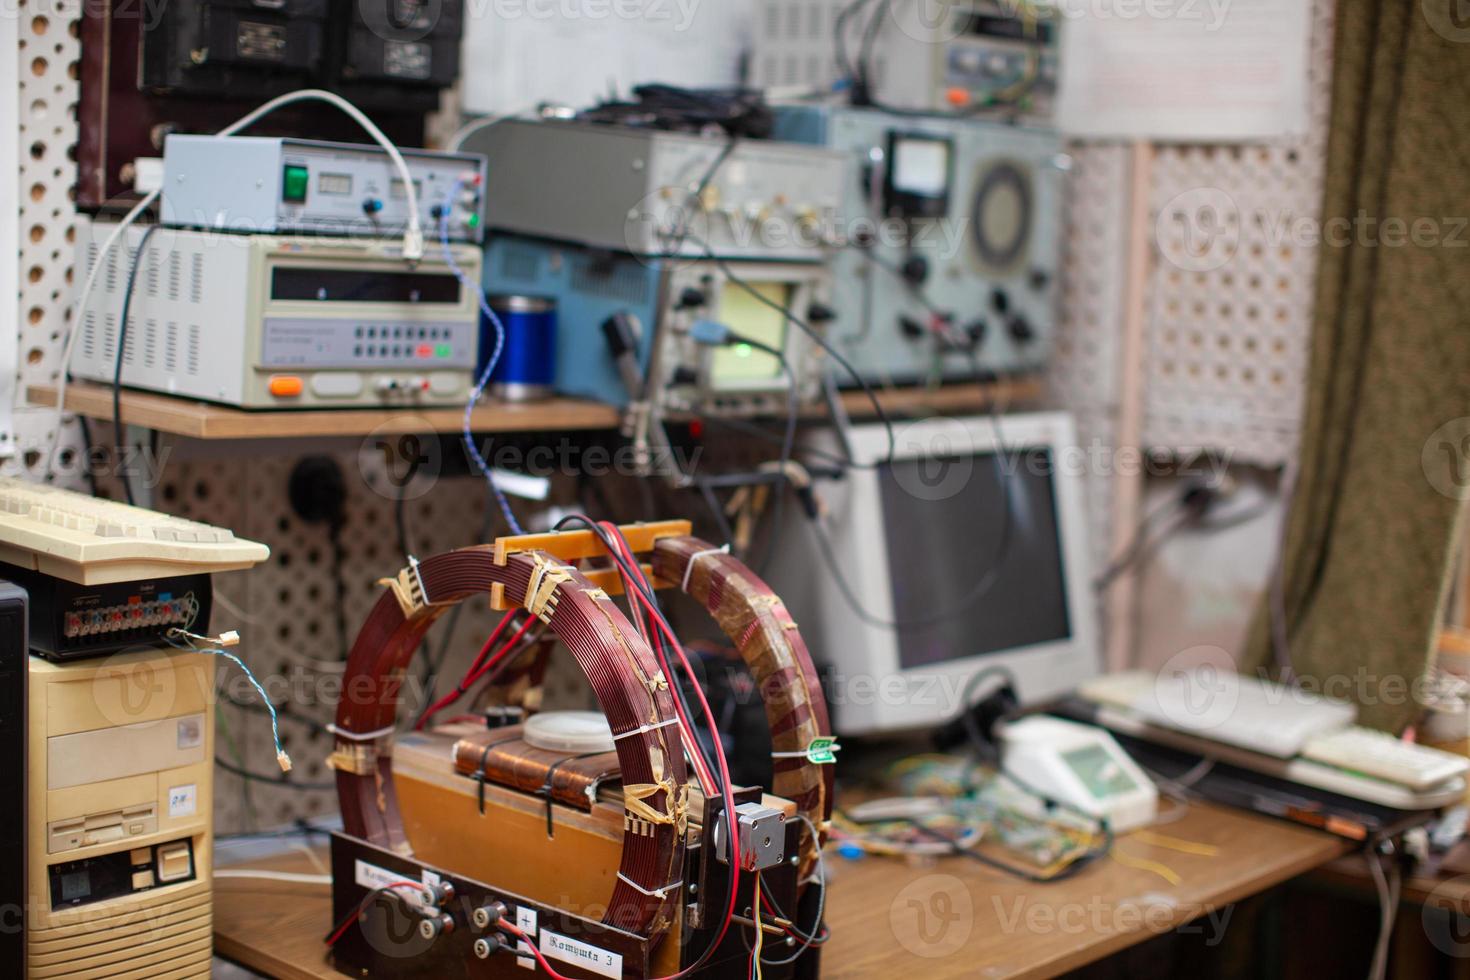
(630, 688)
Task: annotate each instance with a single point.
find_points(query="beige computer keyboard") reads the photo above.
(92, 541)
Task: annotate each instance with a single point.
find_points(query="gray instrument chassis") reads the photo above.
(270, 184)
(992, 259)
(629, 190)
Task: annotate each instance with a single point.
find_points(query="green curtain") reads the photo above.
(1374, 516)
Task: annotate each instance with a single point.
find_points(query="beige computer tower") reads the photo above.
(120, 795)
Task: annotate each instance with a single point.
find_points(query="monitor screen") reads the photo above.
(761, 321)
(921, 166)
(944, 527)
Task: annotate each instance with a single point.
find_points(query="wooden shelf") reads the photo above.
(956, 399)
(202, 420)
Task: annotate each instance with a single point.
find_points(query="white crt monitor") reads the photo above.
(919, 578)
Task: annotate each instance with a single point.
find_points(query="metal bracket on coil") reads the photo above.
(408, 588)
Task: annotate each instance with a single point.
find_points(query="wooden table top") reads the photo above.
(950, 918)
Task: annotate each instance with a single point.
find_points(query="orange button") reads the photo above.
(957, 97)
(285, 386)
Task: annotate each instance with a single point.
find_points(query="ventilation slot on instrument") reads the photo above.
(193, 365)
(150, 280)
(171, 347)
(150, 345)
(89, 335)
(110, 273)
(174, 274)
(625, 282)
(130, 344)
(109, 336)
(196, 279)
(520, 264)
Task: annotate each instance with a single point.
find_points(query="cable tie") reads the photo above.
(343, 733)
(659, 893)
(688, 569)
(645, 729)
(822, 752)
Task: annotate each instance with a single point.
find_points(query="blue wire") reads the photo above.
(484, 379)
(275, 727)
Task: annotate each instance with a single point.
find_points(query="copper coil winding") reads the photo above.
(625, 677)
(757, 622)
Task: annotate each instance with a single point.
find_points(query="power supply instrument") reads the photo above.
(273, 321)
(450, 838)
(656, 193)
(615, 308)
(953, 254)
(278, 185)
(960, 56)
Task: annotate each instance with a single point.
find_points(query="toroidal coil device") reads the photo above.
(279, 322)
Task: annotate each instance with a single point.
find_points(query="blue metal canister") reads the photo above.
(527, 368)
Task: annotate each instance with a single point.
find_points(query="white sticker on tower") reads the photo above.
(585, 955)
(182, 801)
(191, 732)
(526, 922)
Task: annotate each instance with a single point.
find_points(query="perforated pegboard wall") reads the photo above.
(47, 103)
(1231, 290)
(1083, 375)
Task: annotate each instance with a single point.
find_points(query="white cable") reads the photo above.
(287, 876)
(1388, 889)
(78, 313)
(413, 235)
(483, 122)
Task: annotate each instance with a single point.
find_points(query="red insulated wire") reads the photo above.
(521, 935)
(706, 779)
(464, 683)
(719, 757)
(347, 922)
(477, 669)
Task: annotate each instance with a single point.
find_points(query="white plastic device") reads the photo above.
(1379, 754)
(1224, 706)
(580, 732)
(1080, 765)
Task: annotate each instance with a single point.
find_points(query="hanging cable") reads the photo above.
(119, 431)
(484, 380)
